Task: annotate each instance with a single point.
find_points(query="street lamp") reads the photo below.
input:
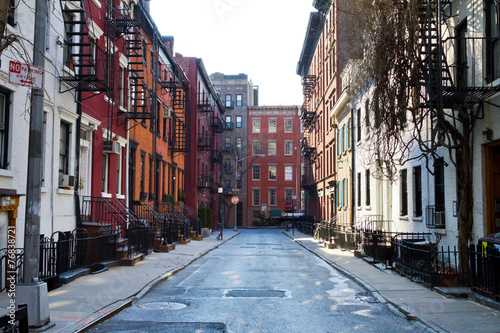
(235, 228)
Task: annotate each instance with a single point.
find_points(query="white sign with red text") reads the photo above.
(26, 75)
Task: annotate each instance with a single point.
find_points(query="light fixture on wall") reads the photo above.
(487, 134)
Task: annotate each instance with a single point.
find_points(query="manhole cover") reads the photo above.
(255, 293)
(162, 306)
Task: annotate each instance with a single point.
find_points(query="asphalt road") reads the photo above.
(260, 281)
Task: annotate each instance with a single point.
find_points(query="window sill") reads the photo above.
(368, 208)
(65, 191)
(359, 208)
(106, 195)
(120, 196)
(122, 109)
(6, 173)
(404, 218)
(418, 219)
(68, 70)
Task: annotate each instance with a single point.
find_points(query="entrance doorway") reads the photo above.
(493, 188)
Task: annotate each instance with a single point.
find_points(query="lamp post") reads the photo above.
(235, 228)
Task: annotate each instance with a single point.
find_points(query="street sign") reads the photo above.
(287, 206)
(235, 200)
(264, 207)
(26, 75)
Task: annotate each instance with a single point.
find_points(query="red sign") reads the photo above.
(287, 206)
(26, 75)
(235, 200)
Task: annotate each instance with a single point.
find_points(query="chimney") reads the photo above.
(169, 43)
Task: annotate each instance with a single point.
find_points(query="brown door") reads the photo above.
(494, 189)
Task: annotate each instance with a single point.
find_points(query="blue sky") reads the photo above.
(261, 38)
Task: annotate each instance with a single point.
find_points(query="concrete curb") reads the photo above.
(127, 302)
(413, 319)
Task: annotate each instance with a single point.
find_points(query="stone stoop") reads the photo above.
(185, 241)
(132, 260)
(197, 238)
(330, 246)
(167, 248)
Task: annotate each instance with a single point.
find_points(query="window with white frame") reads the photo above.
(272, 197)
(288, 125)
(119, 172)
(229, 101)
(289, 194)
(492, 41)
(256, 125)
(273, 125)
(272, 172)
(121, 87)
(64, 147)
(4, 128)
(239, 121)
(105, 166)
(256, 197)
(238, 143)
(288, 148)
(255, 147)
(271, 148)
(256, 172)
(288, 172)
(239, 100)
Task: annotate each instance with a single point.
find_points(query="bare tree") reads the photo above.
(7, 39)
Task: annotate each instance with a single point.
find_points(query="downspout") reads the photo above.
(77, 156)
(353, 169)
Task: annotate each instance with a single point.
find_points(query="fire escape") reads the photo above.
(177, 88)
(87, 61)
(441, 91)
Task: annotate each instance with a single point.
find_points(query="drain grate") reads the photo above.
(257, 293)
(162, 306)
(123, 326)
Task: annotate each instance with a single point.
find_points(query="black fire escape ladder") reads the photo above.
(180, 144)
(82, 55)
(308, 115)
(136, 54)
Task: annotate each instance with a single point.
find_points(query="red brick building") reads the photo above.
(275, 132)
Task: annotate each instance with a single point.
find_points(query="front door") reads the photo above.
(85, 169)
(493, 188)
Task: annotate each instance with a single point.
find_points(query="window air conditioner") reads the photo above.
(440, 220)
(167, 113)
(66, 181)
(111, 147)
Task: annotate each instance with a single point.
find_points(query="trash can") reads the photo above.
(492, 240)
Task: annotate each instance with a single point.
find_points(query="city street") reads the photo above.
(260, 281)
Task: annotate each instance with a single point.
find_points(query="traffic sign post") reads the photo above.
(287, 206)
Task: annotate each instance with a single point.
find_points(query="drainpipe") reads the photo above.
(353, 169)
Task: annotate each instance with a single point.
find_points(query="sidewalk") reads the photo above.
(406, 298)
(90, 299)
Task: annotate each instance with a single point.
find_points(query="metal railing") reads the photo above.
(21, 317)
(193, 218)
(11, 267)
(485, 270)
(104, 212)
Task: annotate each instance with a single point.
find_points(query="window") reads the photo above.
(238, 121)
(288, 148)
(256, 172)
(417, 191)
(288, 125)
(461, 54)
(119, 172)
(273, 125)
(359, 189)
(367, 115)
(439, 185)
(272, 197)
(256, 214)
(404, 192)
(4, 129)
(256, 125)
(11, 14)
(358, 125)
(239, 100)
(272, 172)
(238, 143)
(492, 42)
(288, 172)
(227, 144)
(229, 101)
(142, 175)
(151, 176)
(255, 147)
(228, 122)
(65, 132)
(271, 148)
(367, 187)
(105, 165)
(289, 195)
(256, 197)
(121, 87)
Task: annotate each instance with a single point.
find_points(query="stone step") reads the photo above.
(185, 241)
(134, 259)
(167, 248)
(197, 238)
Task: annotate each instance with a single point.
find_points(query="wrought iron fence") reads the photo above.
(10, 257)
(66, 251)
(485, 270)
(20, 322)
(140, 239)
